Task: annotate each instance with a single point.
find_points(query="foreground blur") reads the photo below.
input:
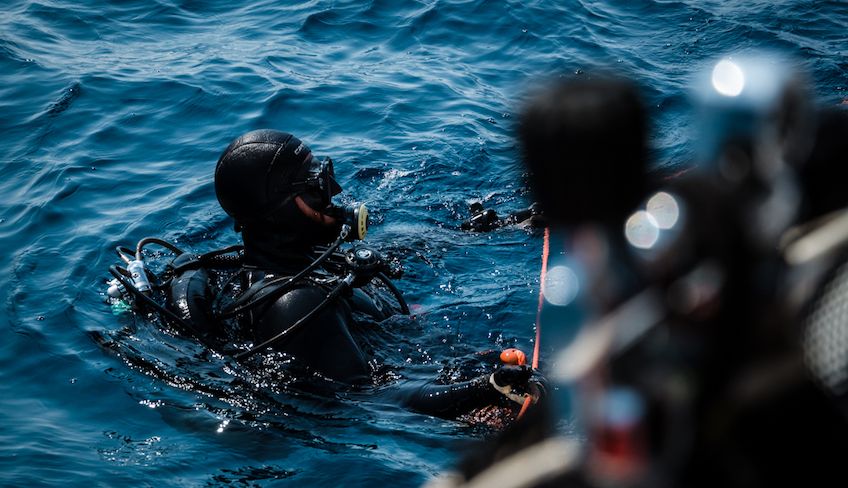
(714, 350)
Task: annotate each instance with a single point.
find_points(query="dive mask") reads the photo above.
(318, 185)
(318, 177)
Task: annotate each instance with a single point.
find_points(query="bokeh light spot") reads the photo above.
(728, 78)
(561, 286)
(641, 230)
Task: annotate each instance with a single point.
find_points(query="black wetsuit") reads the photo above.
(325, 343)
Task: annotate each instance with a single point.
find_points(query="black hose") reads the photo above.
(123, 271)
(155, 240)
(344, 284)
(123, 252)
(404, 308)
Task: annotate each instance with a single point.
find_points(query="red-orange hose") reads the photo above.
(546, 248)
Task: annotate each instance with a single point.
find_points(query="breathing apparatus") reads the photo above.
(363, 265)
(361, 261)
(355, 216)
(358, 267)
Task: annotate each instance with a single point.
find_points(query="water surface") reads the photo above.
(114, 113)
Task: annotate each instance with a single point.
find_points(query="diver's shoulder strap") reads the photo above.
(228, 257)
(268, 288)
(258, 291)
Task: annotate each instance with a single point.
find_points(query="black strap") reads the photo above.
(213, 259)
(278, 286)
(258, 293)
(342, 286)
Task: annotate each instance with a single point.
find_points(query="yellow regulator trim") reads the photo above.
(362, 222)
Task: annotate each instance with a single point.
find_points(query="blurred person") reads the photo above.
(823, 173)
(817, 250)
(724, 368)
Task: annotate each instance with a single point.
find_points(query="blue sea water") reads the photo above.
(114, 113)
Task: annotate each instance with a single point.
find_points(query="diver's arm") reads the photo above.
(506, 384)
(450, 401)
(483, 220)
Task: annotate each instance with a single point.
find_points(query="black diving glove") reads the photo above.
(531, 216)
(519, 382)
(482, 220)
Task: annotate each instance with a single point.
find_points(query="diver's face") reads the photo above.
(311, 204)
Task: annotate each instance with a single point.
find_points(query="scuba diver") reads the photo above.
(291, 288)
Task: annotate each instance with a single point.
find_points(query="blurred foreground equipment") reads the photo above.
(725, 361)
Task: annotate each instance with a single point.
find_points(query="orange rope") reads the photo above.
(546, 248)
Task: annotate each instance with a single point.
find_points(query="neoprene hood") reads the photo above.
(256, 174)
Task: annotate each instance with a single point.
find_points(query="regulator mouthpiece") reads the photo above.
(355, 216)
(360, 221)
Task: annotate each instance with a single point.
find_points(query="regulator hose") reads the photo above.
(404, 308)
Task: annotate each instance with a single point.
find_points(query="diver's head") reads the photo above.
(271, 184)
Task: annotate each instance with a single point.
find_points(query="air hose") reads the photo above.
(404, 308)
(545, 253)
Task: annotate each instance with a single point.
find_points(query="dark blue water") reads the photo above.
(113, 114)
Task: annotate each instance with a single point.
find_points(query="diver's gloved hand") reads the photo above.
(532, 216)
(481, 220)
(519, 382)
(537, 217)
